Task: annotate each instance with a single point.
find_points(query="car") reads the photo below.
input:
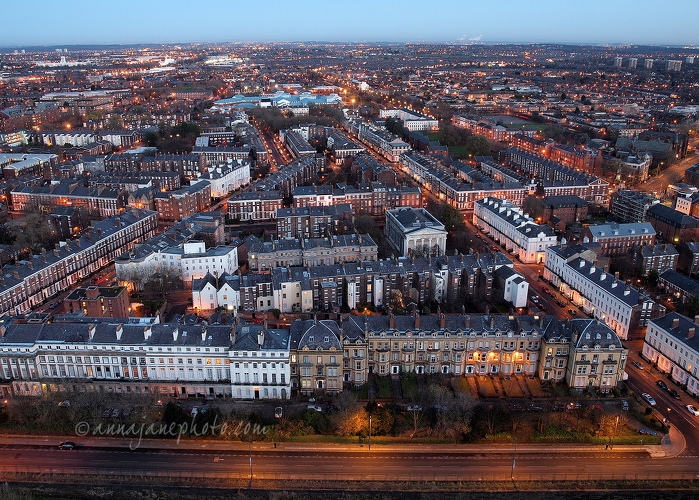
(315, 407)
(534, 407)
(573, 405)
(67, 445)
(542, 306)
(649, 398)
(311, 400)
(414, 408)
(106, 413)
(194, 412)
(546, 289)
(661, 384)
(693, 410)
(572, 312)
(649, 432)
(560, 303)
(637, 365)
(674, 393)
(624, 405)
(278, 412)
(64, 404)
(535, 299)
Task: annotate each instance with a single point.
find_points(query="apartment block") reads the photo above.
(618, 239)
(520, 235)
(672, 346)
(598, 293)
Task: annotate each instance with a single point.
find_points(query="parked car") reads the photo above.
(315, 407)
(649, 432)
(194, 412)
(572, 312)
(637, 365)
(64, 404)
(624, 405)
(693, 410)
(661, 384)
(649, 398)
(542, 306)
(674, 393)
(67, 445)
(535, 299)
(560, 303)
(116, 412)
(278, 412)
(414, 408)
(573, 405)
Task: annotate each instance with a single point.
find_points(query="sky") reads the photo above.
(71, 22)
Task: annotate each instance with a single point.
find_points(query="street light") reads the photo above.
(514, 459)
(369, 431)
(250, 447)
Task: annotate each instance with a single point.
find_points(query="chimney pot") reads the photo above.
(675, 322)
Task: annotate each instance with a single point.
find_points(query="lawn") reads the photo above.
(459, 151)
(384, 385)
(486, 388)
(433, 137)
(535, 388)
(408, 386)
(512, 388)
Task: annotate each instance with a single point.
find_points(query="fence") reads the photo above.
(348, 477)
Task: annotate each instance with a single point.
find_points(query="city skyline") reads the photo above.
(539, 21)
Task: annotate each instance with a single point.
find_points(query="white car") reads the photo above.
(691, 409)
(648, 398)
(315, 407)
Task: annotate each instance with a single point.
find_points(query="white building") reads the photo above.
(412, 120)
(260, 363)
(597, 292)
(514, 287)
(225, 179)
(506, 223)
(671, 344)
(197, 261)
(415, 231)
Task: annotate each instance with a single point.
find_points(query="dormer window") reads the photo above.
(310, 339)
(326, 339)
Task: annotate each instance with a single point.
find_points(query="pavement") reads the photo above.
(672, 445)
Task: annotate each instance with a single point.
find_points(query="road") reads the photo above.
(645, 381)
(672, 174)
(313, 463)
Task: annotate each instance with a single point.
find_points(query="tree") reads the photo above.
(653, 277)
(534, 206)
(452, 219)
(478, 146)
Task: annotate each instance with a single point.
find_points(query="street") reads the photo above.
(645, 381)
(350, 463)
(672, 174)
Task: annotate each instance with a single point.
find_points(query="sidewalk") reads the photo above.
(671, 445)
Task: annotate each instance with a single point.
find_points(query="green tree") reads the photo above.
(478, 146)
(451, 218)
(653, 277)
(534, 206)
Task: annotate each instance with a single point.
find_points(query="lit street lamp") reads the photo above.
(369, 431)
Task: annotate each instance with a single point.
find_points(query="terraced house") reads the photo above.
(246, 361)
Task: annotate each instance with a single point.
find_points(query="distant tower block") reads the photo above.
(618, 62)
(689, 60)
(633, 61)
(648, 63)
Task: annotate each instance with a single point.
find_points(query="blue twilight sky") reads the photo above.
(49, 22)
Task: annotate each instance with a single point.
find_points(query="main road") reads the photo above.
(411, 463)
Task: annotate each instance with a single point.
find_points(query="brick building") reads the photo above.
(98, 302)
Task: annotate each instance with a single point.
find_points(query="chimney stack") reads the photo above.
(417, 320)
(675, 322)
(261, 338)
(696, 319)
(147, 331)
(90, 331)
(203, 333)
(690, 332)
(119, 331)
(391, 321)
(442, 321)
(468, 321)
